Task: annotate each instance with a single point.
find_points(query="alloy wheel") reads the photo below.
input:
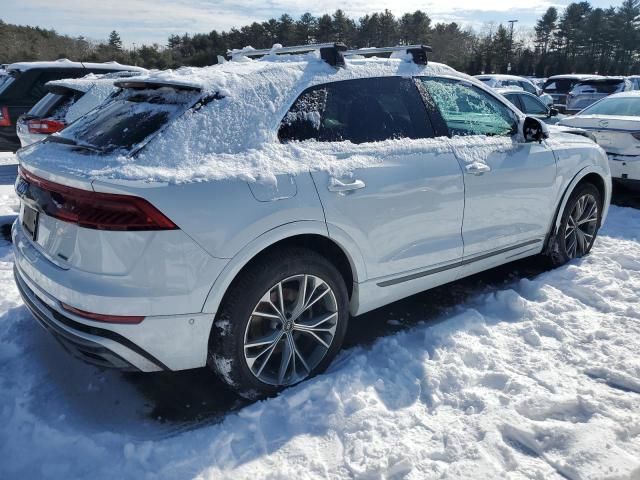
(582, 224)
(291, 330)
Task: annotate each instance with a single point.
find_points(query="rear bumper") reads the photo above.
(159, 342)
(93, 345)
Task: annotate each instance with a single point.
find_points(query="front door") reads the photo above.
(510, 186)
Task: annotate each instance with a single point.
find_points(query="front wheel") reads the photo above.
(579, 225)
(282, 321)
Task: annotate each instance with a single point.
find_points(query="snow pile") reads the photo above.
(9, 203)
(234, 136)
(538, 380)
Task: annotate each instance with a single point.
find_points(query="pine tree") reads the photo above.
(115, 42)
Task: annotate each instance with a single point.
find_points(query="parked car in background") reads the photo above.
(506, 81)
(590, 91)
(183, 257)
(530, 105)
(23, 84)
(614, 121)
(559, 86)
(67, 100)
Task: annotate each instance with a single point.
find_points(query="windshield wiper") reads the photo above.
(70, 141)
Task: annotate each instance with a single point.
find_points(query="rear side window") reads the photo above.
(560, 85)
(128, 119)
(5, 81)
(514, 98)
(468, 110)
(528, 87)
(363, 110)
(602, 86)
(532, 106)
(37, 90)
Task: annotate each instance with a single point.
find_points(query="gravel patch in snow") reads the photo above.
(537, 380)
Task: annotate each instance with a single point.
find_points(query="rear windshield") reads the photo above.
(54, 105)
(128, 119)
(599, 86)
(561, 85)
(627, 106)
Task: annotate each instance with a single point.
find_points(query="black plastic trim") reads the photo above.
(457, 264)
(23, 288)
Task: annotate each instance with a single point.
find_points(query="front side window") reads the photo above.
(359, 111)
(468, 110)
(532, 106)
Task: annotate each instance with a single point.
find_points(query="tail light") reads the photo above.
(88, 209)
(45, 126)
(98, 317)
(5, 120)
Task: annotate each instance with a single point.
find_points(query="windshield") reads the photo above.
(625, 106)
(128, 119)
(599, 86)
(560, 85)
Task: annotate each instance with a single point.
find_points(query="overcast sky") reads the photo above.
(148, 21)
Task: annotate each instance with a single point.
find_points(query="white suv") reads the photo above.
(236, 215)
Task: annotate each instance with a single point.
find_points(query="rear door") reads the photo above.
(510, 186)
(403, 207)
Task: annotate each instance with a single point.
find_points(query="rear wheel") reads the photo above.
(282, 321)
(578, 226)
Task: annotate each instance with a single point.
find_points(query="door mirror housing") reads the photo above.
(533, 130)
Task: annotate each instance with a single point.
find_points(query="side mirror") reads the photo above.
(533, 130)
(553, 112)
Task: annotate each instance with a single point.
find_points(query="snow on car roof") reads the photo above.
(66, 63)
(574, 75)
(83, 84)
(501, 77)
(236, 136)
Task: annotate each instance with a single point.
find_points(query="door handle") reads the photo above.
(336, 185)
(478, 168)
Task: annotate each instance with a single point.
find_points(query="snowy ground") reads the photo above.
(536, 377)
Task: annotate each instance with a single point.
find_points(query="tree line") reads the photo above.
(580, 39)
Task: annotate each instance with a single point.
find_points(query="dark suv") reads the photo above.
(22, 85)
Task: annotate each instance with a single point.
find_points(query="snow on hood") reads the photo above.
(235, 137)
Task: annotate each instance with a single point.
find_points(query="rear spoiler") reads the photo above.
(62, 89)
(150, 84)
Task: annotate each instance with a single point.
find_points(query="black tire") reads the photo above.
(247, 292)
(561, 248)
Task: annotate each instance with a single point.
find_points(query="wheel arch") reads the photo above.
(592, 174)
(307, 234)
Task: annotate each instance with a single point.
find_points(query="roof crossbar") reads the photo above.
(334, 53)
(417, 52)
(329, 52)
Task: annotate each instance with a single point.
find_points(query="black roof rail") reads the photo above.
(334, 53)
(417, 52)
(329, 52)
